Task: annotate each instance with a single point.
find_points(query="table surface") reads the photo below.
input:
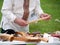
(16, 42)
(22, 42)
(52, 40)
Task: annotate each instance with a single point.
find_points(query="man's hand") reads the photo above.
(45, 16)
(21, 22)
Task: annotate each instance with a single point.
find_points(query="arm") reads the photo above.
(38, 8)
(40, 12)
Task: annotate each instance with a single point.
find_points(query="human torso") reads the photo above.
(18, 11)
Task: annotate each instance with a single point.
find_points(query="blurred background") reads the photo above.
(51, 7)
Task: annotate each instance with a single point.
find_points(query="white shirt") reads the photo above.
(13, 9)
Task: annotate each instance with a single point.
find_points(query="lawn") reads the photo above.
(51, 7)
(0, 8)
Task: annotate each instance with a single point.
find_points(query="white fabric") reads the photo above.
(51, 40)
(13, 9)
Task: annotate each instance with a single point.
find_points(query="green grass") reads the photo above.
(0, 8)
(51, 7)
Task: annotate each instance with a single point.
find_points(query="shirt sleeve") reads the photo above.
(38, 8)
(7, 10)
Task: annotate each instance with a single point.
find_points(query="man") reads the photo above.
(17, 13)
